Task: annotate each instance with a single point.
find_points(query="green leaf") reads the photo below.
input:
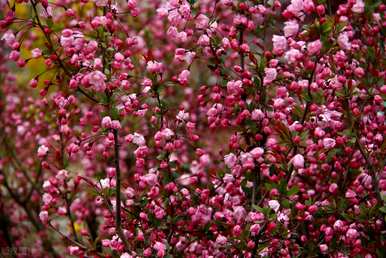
(292, 191)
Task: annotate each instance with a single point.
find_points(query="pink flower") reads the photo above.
(183, 77)
(9, 38)
(42, 151)
(279, 44)
(203, 40)
(292, 55)
(352, 234)
(344, 41)
(350, 194)
(358, 7)
(291, 28)
(234, 87)
(257, 152)
(160, 248)
(202, 21)
(314, 47)
(154, 67)
(97, 80)
(296, 7)
(106, 122)
(323, 248)
(230, 160)
(43, 216)
(274, 205)
(257, 114)
(150, 179)
(333, 187)
(136, 138)
(328, 143)
(298, 161)
(221, 240)
(239, 213)
(270, 75)
(36, 52)
(338, 225)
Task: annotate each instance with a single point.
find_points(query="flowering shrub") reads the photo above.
(208, 128)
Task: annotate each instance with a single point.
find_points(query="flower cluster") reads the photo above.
(184, 128)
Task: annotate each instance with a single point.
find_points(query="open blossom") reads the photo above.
(344, 41)
(292, 55)
(160, 248)
(202, 21)
(42, 151)
(9, 38)
(183, 77)
(43, 216)
(36, 52)
(291, 28)
(296, 7)
(106, 122)
(314, 47)
(358, 7)
(279, 44)
(298, 161)
(274, 205)
(97, 80)
(329, 143)
(270, 75)
(154, 67)
(230, 160)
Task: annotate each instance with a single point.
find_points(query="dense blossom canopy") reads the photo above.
(183, 128)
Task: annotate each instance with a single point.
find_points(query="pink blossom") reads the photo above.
(97, 80)
(298, 161)
(344, 41)
(358, 7)
(230, 160)
(36, 52)
(328, 143)
(106, 122)
(154, 67)
(42, 151)
(291, 28)
(202, 21)
(352, 234)
(279, 44)
(270, 75)
(274, 205)
(183, 77)
(314, 47)
(43, 216)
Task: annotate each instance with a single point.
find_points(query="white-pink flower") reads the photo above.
(230, 160)
(314, 47)
(201, 21)
(291, 28)
(274, 205)
(298, 161)
(154, 67)
(42, 151)
(279, 44)
(270, 75)
(344, 41)
(328, 143)
(36, 52)
(97, 80)
(358, 7)
(183, 77)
